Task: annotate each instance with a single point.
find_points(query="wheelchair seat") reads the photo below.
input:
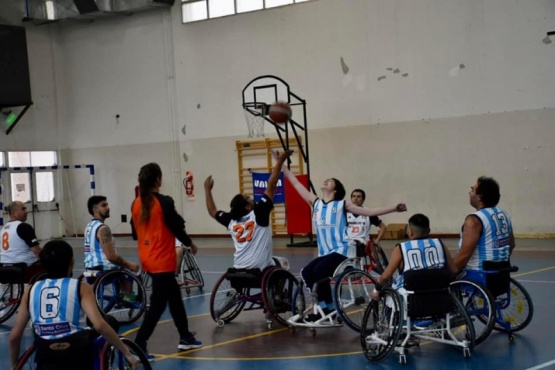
(12, 273)
(244, 278)
(428, 293)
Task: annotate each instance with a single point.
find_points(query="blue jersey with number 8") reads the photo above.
(55, 309)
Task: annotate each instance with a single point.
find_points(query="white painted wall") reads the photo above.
(422, 138)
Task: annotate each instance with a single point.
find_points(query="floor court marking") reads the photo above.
(541, 366)
(534, 271)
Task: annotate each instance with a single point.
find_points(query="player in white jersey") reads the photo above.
(100, 250)
(249, 222)
(329, 216)
(358, 226)
(57, 307)
(420, 252)
(19, 242)
(487, 234)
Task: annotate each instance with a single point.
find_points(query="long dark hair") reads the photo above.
(238, 207)
(56, 257)
(148, 176)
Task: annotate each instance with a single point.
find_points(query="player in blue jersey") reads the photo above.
(419, 252)
(100, 250)
(57, 307)
(329, 215)
(487, 234)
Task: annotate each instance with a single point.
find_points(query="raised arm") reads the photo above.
(276, 170)
(309, 197)
(210, 204)
(401, 207)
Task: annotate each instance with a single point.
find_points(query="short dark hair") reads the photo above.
(359, 191)
(93, 201)
(56, 257)
(420, 224)
(488, 190)
(238, 207)
(339, 190)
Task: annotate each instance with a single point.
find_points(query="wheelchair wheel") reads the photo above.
(120, 294)
(27, 360)
(382, 324)
(351, 295)
(462, 327)
(190, 271)
(278, 288)
(225, 304)
(514, 310)
(380, 259)
(479, 305)
(10, 298)
(111, 358)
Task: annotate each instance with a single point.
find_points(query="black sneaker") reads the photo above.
(189, 343)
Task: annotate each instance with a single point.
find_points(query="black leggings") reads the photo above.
(164, 291)
(319, 269)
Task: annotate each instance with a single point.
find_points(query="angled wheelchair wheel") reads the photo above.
(382, 325)
(515, 309)
(380, 259)
(10, 298)
(479, 305)
(120, 294)
(225, 301)
(351, 295)
(278, 288)
(190, 272)
(112, 359)
(27, 360)
(462, 327)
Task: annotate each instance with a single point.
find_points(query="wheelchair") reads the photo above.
(106, 357)
(494, 300)
(430, 311)
(240, 290)
(119, 293)
(189, 275)
(351, 285)
(12, 280)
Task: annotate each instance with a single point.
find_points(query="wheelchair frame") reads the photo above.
(11, 292)
(383, 326)
(107, 356)
(232, 294)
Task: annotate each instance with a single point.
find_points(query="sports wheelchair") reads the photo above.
(71, 352)
(251, 289)
(494, 300)
(429, 311)
(352, 286)
(188, 277)
(12, 280)
(118, 292)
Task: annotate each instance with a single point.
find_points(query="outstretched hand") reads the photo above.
(209, 183)
(401, 207)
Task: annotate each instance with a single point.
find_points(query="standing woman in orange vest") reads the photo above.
(156, 224)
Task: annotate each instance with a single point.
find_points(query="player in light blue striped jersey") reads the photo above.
(487, 234)
(57, 307)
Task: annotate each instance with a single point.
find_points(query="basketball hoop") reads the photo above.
(254, 115)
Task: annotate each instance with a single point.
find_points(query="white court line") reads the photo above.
(538, 281)
(541, 366)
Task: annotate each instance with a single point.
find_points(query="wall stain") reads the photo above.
(344, 66)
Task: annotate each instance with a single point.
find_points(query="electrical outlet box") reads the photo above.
(123, 218)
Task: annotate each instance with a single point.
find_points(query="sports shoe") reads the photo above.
(189, 343)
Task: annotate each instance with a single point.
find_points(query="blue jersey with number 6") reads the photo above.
(494, 243)
(55, 309)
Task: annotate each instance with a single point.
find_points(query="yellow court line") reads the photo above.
(534, 271)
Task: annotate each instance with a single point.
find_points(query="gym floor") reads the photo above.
(247, 343)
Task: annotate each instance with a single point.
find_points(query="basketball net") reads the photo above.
(254, 115)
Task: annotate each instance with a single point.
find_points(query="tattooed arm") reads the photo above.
(107, 243)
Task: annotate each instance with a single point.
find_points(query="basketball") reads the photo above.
(280, 112)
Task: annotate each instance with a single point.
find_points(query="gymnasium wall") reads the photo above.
(409, 100)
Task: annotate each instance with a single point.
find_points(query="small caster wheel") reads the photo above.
(220, 323)
(511, 338)
(466, 352)
(270, 325)
(402, 359)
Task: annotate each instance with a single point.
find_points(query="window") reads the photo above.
(21, 185)
(197, 10)
(2, 160)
